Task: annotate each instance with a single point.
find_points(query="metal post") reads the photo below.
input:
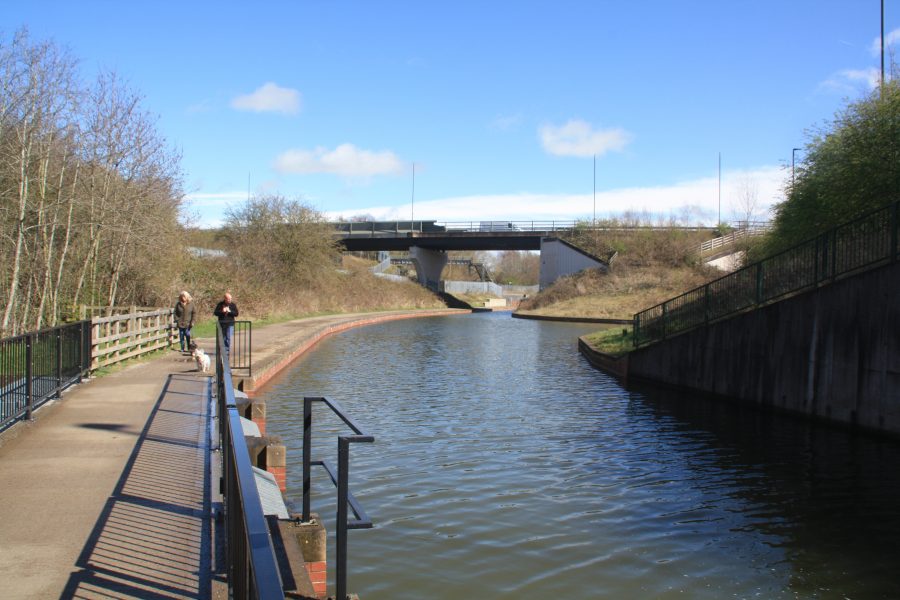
(307, 448)
(706, 304)
(895, 225)
(664, 315)
(29, 376)
(59, 363)
(833, 253)
(759, 283)
(340, 573)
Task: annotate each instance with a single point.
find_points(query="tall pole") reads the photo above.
(594, 222)
(881, 89)
(412, 202)
(720, 189)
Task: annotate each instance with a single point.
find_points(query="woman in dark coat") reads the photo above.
(184, 319)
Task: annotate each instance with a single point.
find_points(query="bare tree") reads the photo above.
(745, 206)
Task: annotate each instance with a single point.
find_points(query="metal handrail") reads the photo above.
(241, 354)
(341, 481)
(371, 228)
(252, 567)
(37, 366)
(863, 243)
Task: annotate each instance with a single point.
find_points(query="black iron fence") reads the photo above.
(864, 243)
(251, 564)
(36, 367)
(240, 357)
(341, 480)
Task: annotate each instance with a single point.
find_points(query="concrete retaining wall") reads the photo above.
(832, 353)
(471, 287)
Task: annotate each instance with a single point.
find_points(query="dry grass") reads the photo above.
(651, 267)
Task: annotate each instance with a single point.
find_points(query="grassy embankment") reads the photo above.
(269, 294)
(651, 266)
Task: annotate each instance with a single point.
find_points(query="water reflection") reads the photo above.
(504, 466)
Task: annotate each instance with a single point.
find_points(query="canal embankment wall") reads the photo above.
(831, 353)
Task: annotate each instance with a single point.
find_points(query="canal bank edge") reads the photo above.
(517, 315)
(613, 365)
(277, 357)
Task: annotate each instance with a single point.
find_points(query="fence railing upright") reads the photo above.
(864, 243)
(36, 367)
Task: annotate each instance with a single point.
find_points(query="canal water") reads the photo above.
(506, 467)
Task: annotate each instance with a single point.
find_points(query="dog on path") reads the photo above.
(201, 357)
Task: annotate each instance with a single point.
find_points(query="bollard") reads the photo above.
(274, 460)
(253, 409)
(312, 538)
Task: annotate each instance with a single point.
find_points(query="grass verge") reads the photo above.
(617, 341)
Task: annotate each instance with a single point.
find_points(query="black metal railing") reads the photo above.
(340, 480)
(241, 355)
(864, 243)
(251, 564)
(38, 366)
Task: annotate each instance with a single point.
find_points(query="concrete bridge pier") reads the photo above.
(429, 265)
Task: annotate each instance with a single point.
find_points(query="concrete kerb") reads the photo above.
(276, 356)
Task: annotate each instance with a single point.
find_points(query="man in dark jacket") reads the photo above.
(227, 311)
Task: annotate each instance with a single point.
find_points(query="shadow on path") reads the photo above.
(153, 538)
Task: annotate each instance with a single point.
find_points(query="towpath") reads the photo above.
(107, 493)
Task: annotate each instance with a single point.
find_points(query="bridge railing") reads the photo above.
(252, 568)
(387, 228)
(36, 367)
(864, 243)
(745, 229)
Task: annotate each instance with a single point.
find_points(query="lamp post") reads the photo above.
(793, 163)
(719, 222)
(412, 201)
(594, 222)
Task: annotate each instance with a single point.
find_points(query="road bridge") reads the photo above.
(429, 241)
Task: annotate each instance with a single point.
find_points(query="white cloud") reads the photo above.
(849, 80)
(891, 39)
(269, 98)
(579, 138)
(506, 122)
(694, 201)
(346, 160)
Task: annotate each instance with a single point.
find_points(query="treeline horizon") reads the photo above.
(89, 190)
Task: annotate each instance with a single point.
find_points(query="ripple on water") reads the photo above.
(504, 466)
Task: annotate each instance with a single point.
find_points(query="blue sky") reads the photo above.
(500, 105)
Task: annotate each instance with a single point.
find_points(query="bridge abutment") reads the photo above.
(559, 258)
(429, 265)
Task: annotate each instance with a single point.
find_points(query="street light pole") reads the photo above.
(412, 202)
(881, 89)
(594, 222)
(719, 222)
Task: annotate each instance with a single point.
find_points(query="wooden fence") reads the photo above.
(120, 337)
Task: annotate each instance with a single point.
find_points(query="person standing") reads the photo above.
(184, 319)
(227, 312)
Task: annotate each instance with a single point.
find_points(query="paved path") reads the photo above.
(103, 495)
(106, 493)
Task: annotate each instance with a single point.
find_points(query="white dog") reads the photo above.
(202, 359)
